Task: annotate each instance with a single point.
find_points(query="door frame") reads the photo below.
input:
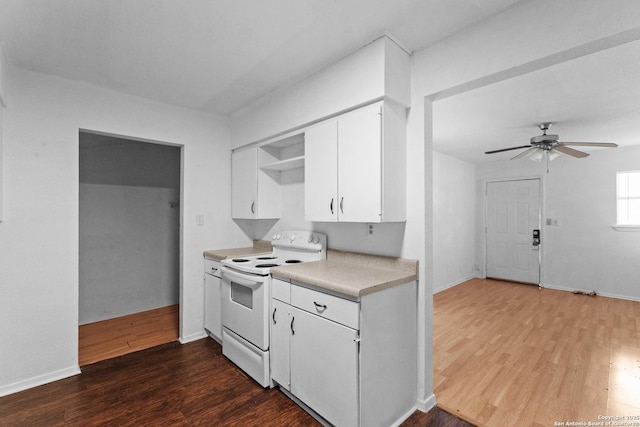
(180, 260)
(541, 215)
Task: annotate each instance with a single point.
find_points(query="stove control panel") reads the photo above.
(306, 240)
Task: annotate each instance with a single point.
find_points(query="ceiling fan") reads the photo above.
(550, 147)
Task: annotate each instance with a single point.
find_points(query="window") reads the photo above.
(629, 198)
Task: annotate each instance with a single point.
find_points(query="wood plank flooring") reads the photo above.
(171, 384)
(116, 337)
(511, 354)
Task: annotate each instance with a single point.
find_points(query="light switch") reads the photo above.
(199, 219)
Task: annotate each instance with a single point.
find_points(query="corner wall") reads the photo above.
(39, 234)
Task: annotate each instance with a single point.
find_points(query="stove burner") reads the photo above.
(240, 260)
(267, 257)
(266, 265)
(293, 261)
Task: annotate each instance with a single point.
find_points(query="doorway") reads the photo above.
(512, 223)
(129, 241)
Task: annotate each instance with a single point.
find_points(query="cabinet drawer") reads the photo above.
(328, 306)
(281, 290)
(212, 267)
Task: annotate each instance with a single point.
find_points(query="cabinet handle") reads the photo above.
(331, 206)
(214, 269)
(341, 203)
(292, 331)
(320, 307)
(253, 207)
(273, 316)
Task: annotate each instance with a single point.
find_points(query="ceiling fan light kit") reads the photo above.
(550, 147)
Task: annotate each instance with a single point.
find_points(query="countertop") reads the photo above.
(259, 247)
(351, 274)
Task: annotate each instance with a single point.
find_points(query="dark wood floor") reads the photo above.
(172, 384)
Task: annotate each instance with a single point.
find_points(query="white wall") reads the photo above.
(39, 234)
(583, 251)
(3, 72)
(357, 79)
(454, 228)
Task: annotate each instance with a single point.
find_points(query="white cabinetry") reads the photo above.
(212, 299)
(352, 362)
(256, 176)
(324, 367)
(355, 166)
(255, 194)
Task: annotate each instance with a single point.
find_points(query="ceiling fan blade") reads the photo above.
(570, 151)
(507, 149)
(525, 153)
(590, 144)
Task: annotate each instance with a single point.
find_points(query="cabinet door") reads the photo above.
(213, 305)
(360, 165)
(244, 179)
(279, 352)
(324, 367)
(321, 172)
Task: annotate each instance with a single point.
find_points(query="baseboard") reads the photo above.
(602, 294)
(427, 404)
(404, 417)
(452, 284)
(39, 380)
(193, 337)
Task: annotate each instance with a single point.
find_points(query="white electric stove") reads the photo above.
(246, 294)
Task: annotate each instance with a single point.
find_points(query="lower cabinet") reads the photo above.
(324, 367)
(280, 343)
(213, 299)
(325, 353)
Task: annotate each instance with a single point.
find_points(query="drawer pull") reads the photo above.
(320, 307)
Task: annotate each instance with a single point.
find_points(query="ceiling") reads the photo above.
(218, 56)
(215, 55)
(594, 98)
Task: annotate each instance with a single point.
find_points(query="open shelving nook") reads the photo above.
(283, 154)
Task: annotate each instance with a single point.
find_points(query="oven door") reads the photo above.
(245, 300)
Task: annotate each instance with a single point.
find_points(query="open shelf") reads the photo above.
(284, 165)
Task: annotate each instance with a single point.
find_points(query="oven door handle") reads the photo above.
(241, 279)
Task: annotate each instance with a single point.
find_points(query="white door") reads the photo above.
(360, 165)
(244, 179)
(324, 367)
(513, 213)
(321, 172)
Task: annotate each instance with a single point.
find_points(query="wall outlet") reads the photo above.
(370, 229)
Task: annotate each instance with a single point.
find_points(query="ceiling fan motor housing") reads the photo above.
(545, 140)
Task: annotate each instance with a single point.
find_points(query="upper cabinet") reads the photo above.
(256, 174)
(355, 166)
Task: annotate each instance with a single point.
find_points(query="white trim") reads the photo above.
(193, 337)
(39, 380)
(598, 293)
(454, 283)
(626, 227)
(427, 404)
(404, 417)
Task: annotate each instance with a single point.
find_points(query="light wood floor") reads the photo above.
(122, 335)
(512, 354)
